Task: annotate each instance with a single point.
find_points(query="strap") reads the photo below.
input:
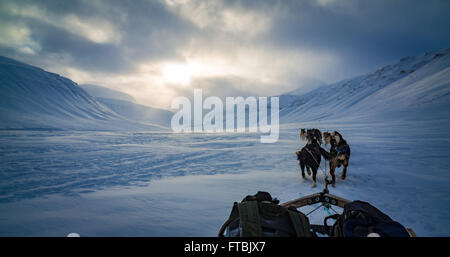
(319, 229)
(300, 223)
(343, 149)
(250, 220)
(327, 228)
(233, 216)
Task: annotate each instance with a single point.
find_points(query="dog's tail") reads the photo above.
(325, 154)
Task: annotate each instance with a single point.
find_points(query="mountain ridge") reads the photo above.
(125, 105)
(32, 98)
(353, 97)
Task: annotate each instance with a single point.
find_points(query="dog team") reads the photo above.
(309, 156)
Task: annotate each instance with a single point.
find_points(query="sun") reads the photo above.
(174, 73)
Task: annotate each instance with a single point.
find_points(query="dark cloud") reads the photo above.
(364, 34)
(148, 31)
(359, 36)
(82, 53)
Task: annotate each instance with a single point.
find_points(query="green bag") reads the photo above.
(261, 216)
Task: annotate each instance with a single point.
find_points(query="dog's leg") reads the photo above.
(302, 167)
(308, 169)
(314, 177)
(344, 170)
(333, 176)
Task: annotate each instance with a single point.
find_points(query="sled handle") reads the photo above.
(411, 232)
(316, 198)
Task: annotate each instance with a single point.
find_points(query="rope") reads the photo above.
(327, 208)
(334, 210)
(314, 209)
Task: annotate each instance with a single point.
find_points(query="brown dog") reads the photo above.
(338, 156)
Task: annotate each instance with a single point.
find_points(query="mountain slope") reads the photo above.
(99, 91)
(423, 94)
(413, 85)
(124, 105)
(31, 98)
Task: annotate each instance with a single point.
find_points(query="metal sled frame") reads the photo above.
(325, 198)
(317, 198)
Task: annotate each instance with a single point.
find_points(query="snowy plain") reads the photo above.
(164, 184)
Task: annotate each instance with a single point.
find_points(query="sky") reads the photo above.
(157, 50)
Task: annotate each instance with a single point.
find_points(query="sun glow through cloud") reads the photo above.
(174, 73)
(183, 73)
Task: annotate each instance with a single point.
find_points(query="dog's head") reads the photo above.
(303, 132)
(336, 136)
(309, 137)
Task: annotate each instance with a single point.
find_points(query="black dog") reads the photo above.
(309, 157)
(313, 133)
(339, 155)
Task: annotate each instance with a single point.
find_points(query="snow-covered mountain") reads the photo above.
(125, 105)
(103, 92)
(306, 86)
(416, 87)
(31, 98)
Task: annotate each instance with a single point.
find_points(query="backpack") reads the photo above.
(261, 216)
(359, 219)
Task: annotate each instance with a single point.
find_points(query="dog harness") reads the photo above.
(343, 150)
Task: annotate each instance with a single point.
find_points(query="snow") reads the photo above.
(157, 183)
(306, 86)
(31, 98)
(137, 112)
(163, 184)
(399, 89)
(124, 105)
(99, 91)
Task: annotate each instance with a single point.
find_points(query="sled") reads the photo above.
(326, 200)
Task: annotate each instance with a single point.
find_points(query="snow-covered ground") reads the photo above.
(125, 105)
(164, 184)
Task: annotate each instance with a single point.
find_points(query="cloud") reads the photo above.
(94, 35)
(220, 17)
(91, 28)
(18, 37)
(232, 47)
(362, 34)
